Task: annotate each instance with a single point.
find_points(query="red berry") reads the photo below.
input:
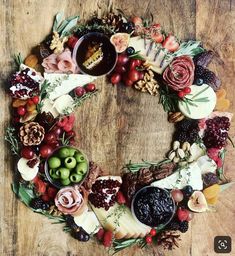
(35, 99)
(27, 152)
(70, 134)
(40, 186)
(45, 150)
(79, 91)
(21, 111)
(100, 234)
(127, 81)
(72, 41)
(120, 198)
(71, 119)
(90, 87)
(108, 237)
(187, 90)
(148, 239)
(182, 214)
(153, 232)
(45, 198)
(63, 121)
(115, 78)
(68, 127)
(135, 63)
(72, 142)
(30, 102)
(181, 94)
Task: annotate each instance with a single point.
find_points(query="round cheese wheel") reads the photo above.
(198, 108)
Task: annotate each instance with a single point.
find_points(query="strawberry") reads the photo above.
(45, 198)
(120, 198)
(100, 234)
(182, 214)
(62, 122)
(72, 41)
(40, 186)
(171, 43)
(156, 33)
(51, 192)
(108, 237)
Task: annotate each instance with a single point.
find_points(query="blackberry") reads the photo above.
(183, 226)
(193, 136)
(186, 124)
(181, 136)
(81, 235)
(36, 203)
(70, 222)
(45, 206)
(173, 225)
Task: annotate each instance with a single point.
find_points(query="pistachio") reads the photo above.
(176, 159)
(176, 144)
(180, 153)
(171, 155)
(186, 146)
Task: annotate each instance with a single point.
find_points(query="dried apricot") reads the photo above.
(31, 61)
(211, 191)
(18, 102)
(221, 93)
(30, 108)
(212, 201)
(222, 104)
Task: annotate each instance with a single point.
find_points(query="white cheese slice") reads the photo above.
(47, 106)
(88, 221)
(64, 104)
(188, 176)
(199, 109)
(27, 173)
(206, 164)
(155, 54)
(64, 83)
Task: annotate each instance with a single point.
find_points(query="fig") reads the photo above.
(120, 41)
(197, 202)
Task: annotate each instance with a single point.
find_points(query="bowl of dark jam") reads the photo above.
(94, 54)
(153, 206)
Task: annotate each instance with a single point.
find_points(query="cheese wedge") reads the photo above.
(63, 84)
(47, 106)
(123, 225)
(64, 104)
(88, 221)
(199, 108)
(154, 53)
(206, 164)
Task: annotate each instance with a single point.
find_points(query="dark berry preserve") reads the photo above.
(153, 206)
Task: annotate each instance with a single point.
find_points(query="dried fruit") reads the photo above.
(197, 202)
(120, 41)
(175, 117)
(120, 198)
(203, 59)
(31, 61)
(18, 102)
(211, 191)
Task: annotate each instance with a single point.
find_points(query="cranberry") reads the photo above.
(90, 87)
(79, 91)
(21, 110)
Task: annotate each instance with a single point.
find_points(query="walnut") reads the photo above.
(31, 134)
(57, 43)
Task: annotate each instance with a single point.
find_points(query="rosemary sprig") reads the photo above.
(168, 100)
(18, 59)
(119, 245)
(64, 141)
(43, 94)
(78, 101)
(10, 137)
(199, 93)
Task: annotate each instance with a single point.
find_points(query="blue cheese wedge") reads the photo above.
(61, 84)
(157, 56)
(202, 100)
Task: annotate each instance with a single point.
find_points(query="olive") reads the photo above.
(187, 191)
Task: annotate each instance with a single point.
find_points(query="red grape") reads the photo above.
(115, 78)
(120, 69)
(141, 75)
(90, 87)
(57, 130)
(45, 150)
(27, 152)
(127, 81)
(79, 91)
(21, 110)
(133, 75)
(177, 195)
(50, 138)
(122, 59)
(135, 63)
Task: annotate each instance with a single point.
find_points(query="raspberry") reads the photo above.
(108, 237)
(100, 234)
(120, 198)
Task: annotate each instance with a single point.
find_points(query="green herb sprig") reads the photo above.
(18, 60)
(168, 100)
(11, 138)
(78, 101)
(191, 48)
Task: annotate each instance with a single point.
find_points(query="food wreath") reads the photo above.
(150, 203)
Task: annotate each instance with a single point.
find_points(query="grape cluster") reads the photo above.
(104, 193)
(216, 133)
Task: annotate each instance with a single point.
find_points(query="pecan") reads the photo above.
(175, 117)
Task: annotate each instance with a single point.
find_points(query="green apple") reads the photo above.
(80, 157)
(63, 152)
(54, 162)
(72, 151)
(76, 177)
(81, 168)
(53, 174)
(70, 162)
(63, 173)
(65, 182)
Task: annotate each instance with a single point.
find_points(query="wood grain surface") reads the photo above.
(120, 124)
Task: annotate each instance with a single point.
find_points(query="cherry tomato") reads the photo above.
(45, 150)
(181, 94)
(187, 90)
(21, 110)
(122, 59)
(115, 78)
(79, 91)
(50, 138)
(133, 75)
(120, 69)
(35, 99)
(27, 152)
(135, 63)
(90, 87)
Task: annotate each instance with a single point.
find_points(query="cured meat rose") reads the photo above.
(180, 73)
(69, 200)
(60, 63)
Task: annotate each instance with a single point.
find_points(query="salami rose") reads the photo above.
(180, 73)
(70, 200)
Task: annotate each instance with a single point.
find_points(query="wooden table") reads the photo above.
(121, 124)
